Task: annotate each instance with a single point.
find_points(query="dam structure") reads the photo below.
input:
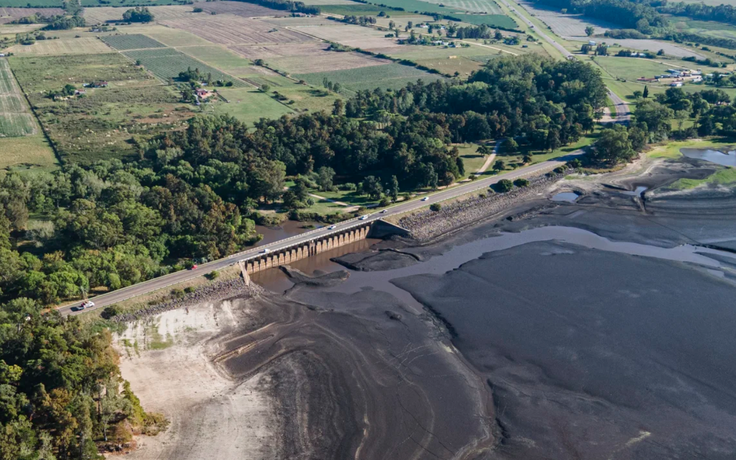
(319, 242)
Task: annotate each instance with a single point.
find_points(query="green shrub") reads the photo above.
(213, 275)
(521, 182)
(435, 207)
(189, 289)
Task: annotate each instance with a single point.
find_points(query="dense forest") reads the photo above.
(60, 389)
(720, 13)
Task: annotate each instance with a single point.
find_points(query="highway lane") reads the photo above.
(161, 282)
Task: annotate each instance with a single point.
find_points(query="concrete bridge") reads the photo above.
(303, 249)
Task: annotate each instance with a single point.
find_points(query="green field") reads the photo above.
(103, 123)
(360, 9)
(390, 76)
(31, 3)
(131, 42)
(220, 58)
(129, 3)
(15, 118)
(249, 105)
(416, 6)
(24, 152)
(166, 63)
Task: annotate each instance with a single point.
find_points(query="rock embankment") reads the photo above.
(211, 293)
(426, 225)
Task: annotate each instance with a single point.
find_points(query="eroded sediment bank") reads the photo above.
(565, 344)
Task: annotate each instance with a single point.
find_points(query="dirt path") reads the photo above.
(490, 159)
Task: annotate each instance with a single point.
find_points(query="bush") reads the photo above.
(435, 207)
(521, 182)
(189, 289)
(109, 312)
(177, 293)
(503, 186)
(213, 275)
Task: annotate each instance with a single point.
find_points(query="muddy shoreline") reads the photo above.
(448, 350)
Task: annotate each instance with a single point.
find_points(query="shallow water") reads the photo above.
(569, 197)
(286, 229)
(638, 192)
(714, 156)
(277, 281)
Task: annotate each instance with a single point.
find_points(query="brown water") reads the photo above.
(286, 229)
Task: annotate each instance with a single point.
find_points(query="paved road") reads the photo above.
(155, 284)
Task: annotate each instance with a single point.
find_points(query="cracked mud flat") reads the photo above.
(600, 337)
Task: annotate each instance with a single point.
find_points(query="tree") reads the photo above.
(645, 94)
(265, 88)
(338, 107)
(614, 146)
(325, 176)
(371, 187)
(138, 14)
(660, 52)
(394, 188)
(499, 165)
(510, 146)
(589, 31)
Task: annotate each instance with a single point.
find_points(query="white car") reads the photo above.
(331, 227)
(265, 251)
(383, 212)
(364, 217)
(425, 198)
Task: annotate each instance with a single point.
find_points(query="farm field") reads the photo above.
(390, 76)
(131, 42)
(104, 123)
(249, 105)
(327, 61)
(361, 9)
(16, 119)
(126, 3)
(220, 58)
(166, 63)
(354, 36)
(25, 152)
(82, 45)
(654, 46)
(491, 20)
(476, 6)
(12, 29)
(41, 4)
(709, 28)
(234, 30)
(167, 35)
(568, 26)
(178, 11)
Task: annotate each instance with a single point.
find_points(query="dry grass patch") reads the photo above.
(29, 151)
(326, 61)
(253, 52)
(353, 36)
(11, 14)
(234, 30)
(84, 45)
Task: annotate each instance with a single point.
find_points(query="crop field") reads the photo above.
(326, 61)
(654, 46)
(103, 123)
(390, 76)
(83, 45)
(709, 28)
(234, 30)
(417, 6)
(41, 4)
(220, 58)
(167, 63)
(12, 29)
(250, 105)
(247, 10)
(126, 3)
(360, 9)
(306, 50)
(328, 2)
(476, 6)
(131, 42)
(353, 36)
(568, 26)
(29, 151)
(15, 118)
(168, 36)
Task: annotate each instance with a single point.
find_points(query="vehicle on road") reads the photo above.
(383, 211)
(425, 198)
(364, 217)
(331, 227)
(193, 267)
(265, 251)
(85, 304)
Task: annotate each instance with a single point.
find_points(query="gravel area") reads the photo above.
(428, 224)
(211, 293)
